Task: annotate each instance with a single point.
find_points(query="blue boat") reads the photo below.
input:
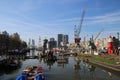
(39, 76)
(22, 77)
(31, 73)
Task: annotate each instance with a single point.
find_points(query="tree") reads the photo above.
(23, 44)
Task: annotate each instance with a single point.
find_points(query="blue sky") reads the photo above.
(47, 18)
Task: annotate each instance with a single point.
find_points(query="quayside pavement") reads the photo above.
(113, 67)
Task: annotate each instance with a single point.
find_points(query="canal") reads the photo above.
(61, 71)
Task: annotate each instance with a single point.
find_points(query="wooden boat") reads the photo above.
(31, 73)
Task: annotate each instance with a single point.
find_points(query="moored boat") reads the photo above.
(32, 73)
(39, 76)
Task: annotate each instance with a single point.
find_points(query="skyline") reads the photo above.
(47, 18)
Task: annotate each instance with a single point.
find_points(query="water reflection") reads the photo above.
(110, 75)
(91, 69)
(74, 69)
(77, 63)
(49, 64)
(77, 68)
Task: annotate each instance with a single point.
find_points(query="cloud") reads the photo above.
(26, 29)
(34, 28)
(60, 1)
(33, 17)
(110, 18)
(17, 25)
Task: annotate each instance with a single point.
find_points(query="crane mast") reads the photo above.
(78, 30)
(83, 13)
(98, 34)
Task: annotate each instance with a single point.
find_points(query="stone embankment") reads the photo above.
(110, 67)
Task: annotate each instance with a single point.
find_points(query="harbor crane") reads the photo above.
(78, 30)
(98, 34)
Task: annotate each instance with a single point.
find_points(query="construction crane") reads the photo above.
(78, 30)
(92, 41)
(98, 34)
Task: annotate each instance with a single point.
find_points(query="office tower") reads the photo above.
(52, 43)
(65, 39)
(60, 39)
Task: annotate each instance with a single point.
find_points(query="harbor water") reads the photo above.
(60, 71)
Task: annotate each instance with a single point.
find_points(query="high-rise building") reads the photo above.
(65, 39)
(39, 43)
(62, 38)
(33, 42)
(5, 33)
(29, 43)
(52, 39)
(45, 45)
(52, 43)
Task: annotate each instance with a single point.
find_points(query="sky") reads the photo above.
(47, 18)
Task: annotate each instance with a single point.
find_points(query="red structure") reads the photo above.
(54, 50)
(110, 45)
(77, 40)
